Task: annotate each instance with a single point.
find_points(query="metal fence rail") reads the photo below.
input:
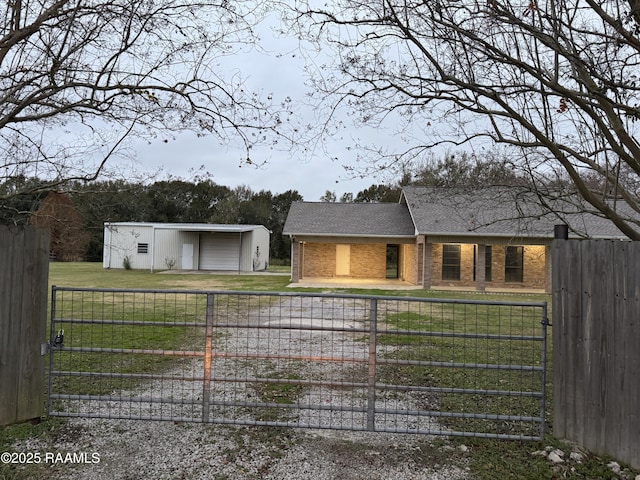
(392, 364)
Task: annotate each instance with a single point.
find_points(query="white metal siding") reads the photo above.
(106, 251)
(123, 242)
(167, 248)
(219, 251)
(247, 252)
(260, 238)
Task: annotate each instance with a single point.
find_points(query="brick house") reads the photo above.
(489, 239)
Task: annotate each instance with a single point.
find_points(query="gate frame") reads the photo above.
(371, 329)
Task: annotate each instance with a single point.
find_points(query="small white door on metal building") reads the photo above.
(219, 251)
(343, 259)
(187, 256)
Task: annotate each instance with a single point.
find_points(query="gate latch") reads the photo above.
(59, 340)
(57, 343)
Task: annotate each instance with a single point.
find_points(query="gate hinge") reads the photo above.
(546, 322)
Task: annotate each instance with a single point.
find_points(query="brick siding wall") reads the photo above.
(534, 266)
(409, 260)
(369, 260)
(533, 269)
(319, 260)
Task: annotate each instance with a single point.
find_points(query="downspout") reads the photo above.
(240, 255)
(110, 245)
(153, 247)
(291, 242)
(110, 251)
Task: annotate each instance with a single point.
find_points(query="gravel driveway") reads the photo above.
(140, 449)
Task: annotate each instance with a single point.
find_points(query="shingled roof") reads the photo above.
(511, 212)
(488, 212)
(349, 219)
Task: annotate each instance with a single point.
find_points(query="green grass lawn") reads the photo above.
(488, 459)
(149, 313)
(450, 339)
(93, 275)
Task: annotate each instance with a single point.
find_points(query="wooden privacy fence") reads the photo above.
(24, 270)
(596, 346)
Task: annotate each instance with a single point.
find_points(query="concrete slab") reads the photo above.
(354, 283)
(220, 272)
(328, 283)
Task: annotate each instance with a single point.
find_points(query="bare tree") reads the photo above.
(461, 170)
(77, 79)
(69, 237)
(555, 82)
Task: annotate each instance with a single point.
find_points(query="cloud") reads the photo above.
(276, 70)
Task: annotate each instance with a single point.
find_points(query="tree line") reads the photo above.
(76, 214)
(81, 209)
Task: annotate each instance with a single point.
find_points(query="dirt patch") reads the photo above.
(197, 284)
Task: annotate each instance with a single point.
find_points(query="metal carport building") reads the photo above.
(186, 246)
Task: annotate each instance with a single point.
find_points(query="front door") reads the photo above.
(187, 256)
(393, 255)
(343, 260)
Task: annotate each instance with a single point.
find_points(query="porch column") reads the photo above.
(481, 267)
(295, 260)
(426, 265)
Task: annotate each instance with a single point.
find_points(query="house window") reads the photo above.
(487, 262)
(143, 248)
(514, 264)
(451, 262)
(393, 256)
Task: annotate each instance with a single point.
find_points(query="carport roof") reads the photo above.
(349, 219)
(191, 227)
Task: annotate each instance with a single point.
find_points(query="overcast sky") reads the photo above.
(187, 153)
(281, 74)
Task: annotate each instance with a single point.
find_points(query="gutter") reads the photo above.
(347, 235)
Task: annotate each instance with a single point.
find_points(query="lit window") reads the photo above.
(513, 264)
(451, 262)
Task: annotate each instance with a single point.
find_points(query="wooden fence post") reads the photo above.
(24, 271)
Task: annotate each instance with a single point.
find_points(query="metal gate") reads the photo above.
(350, 362)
